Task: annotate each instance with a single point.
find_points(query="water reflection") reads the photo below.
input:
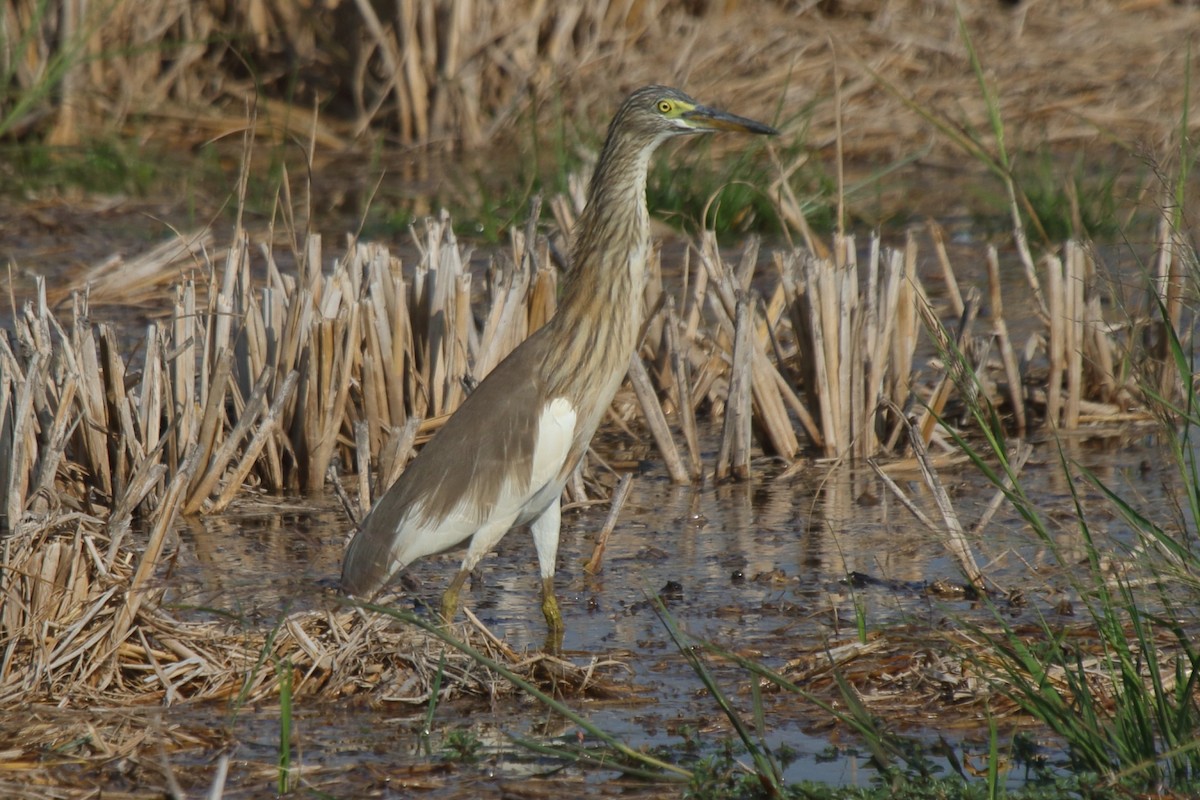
(757, 567)
(260, 561)
(740, 554)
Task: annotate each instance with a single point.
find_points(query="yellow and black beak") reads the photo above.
(704, 119)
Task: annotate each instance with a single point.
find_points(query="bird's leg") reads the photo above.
(450, 598)
(545, 539)
(482, 541)
(554, 621)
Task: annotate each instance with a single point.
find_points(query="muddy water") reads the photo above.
(757, 568)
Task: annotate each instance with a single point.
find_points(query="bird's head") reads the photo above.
(659, 112)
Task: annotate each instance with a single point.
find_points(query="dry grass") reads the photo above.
(270, 369)
(461, 72)
(908, 675)
(264, 379)
(78, 628)
(258, 380)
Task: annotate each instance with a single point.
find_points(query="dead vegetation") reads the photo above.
(279, 371)
(908, 674)
(454, 72)
(264, 378)
(80, 628)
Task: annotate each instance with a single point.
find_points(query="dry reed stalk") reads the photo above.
(878, 329)
(1008, 356)
(1073, 329)
(710, 365)
(504, 319)
(213, 414)
(140, 281)
(1016, 463)
(390, 54)
(1056, 344)
(395, 455)
(94, 424)
(392, 329)
(883, 311)
(1103, 360)
(681, 384)
(726, 287)
(955, 537)
(951, 529)
(146, 478)
(9, 466)
(122, 440)
(807, 329)
(335, 388)
(55, 442)
(938, 235)
(733, 457)
(1021, 240)
(220, 457)
(619, 496)
(953, 353)
(770, 409)
(182, 358)
(1170, 275)
(374, 381)
(435, 280)
(792, 210)
(268, 428)
(903, 293)
(22, 449)
(150, 410)
(854, 349)
(656, 420)
(362, 452)
(694, 303)
(1073, 317)
(463, 328)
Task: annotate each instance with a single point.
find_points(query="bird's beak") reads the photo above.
(710, 119)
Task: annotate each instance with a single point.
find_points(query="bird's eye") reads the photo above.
(664, 106)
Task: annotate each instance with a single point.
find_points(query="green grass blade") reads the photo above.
(284, 671)
(667, 770)
(765, 767)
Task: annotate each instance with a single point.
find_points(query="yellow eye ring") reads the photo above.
(664, 106)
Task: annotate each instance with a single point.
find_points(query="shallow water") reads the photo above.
(757, 568)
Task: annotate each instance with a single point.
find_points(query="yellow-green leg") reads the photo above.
(450, 598)
(554, 621)
(545, 539)
(482, 541)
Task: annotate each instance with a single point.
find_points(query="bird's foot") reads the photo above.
(554, 620)
(450, 598)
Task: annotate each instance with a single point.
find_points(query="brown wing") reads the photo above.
(458, 474)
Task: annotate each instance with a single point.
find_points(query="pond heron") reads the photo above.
(503, 457)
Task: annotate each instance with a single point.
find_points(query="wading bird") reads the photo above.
(503, 457)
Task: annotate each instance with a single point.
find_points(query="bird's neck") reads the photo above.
(612, 237)
(600, 311)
